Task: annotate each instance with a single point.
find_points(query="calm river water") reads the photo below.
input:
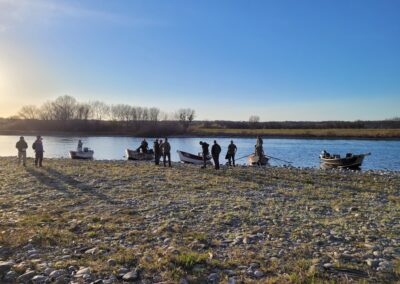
(302, 152)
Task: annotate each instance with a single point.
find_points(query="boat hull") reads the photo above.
(192, 159)
(254, 160)
(353, 162)
(138, 156)
(81, 155)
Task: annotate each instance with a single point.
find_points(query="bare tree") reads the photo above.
(139, 113)
(145, 115)
(185, 116)
(82, 111)
(100, 111)
(29, 112)
(154, 113)
(64, 107)
(47, 112)
(254, 119)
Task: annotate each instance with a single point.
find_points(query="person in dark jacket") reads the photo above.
(215, 151)
(21, 146)
(144, 146)
(230, 155)
(157, 152)
(205, 152)
(38, 147)
(166, 152)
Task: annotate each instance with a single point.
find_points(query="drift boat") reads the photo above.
(86, 154)
(139, 156)
(351, 161)
(192, 159)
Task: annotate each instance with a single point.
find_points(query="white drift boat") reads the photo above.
(351, 161)
(192, 159)
(86, 154)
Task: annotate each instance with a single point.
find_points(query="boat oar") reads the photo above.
(279, 159)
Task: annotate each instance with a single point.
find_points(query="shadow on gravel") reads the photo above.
(50, 181)
(58, 180)
(78, 185)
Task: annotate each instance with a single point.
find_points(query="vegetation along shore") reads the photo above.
(66, 116)
(118, 221)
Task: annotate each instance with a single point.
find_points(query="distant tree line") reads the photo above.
(256, 124)
(66, 108)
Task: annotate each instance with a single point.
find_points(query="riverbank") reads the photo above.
(368, 134)
(334, 133)
(112, 219)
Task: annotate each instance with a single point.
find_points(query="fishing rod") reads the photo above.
(243, 157)
(279, 159)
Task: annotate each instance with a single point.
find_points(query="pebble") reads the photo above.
(11, 276)
(372, 262)
(82, 271)
(26, 276)
(6, 266)
(131, 276)
(213, 277)
(92, 251)
(39, 279)
(258, 273)
(57, 273)
(111, 262)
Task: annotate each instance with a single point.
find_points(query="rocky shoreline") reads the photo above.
(119, 221)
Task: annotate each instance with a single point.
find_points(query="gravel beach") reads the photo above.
(119, 221)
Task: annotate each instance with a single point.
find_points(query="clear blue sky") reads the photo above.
(281, 60)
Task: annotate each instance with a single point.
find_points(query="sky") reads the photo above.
(227, 59)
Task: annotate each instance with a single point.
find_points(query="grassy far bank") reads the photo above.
(211, 132)
(307, 133)
(274, 225)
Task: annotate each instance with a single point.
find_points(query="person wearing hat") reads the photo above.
(21, 146)
(38, 147)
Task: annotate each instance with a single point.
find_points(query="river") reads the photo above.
(302, 152)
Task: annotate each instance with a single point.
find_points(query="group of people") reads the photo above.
(216, 151)
(37, 146)
(160, 149)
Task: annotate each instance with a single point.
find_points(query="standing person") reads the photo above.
(215, 151)
(38, 147)
(231, 153)
(259, 141)
(80, 145)
(156, 149)
(204, 147)
(166, 151)
(21, 146)
(144, 146)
